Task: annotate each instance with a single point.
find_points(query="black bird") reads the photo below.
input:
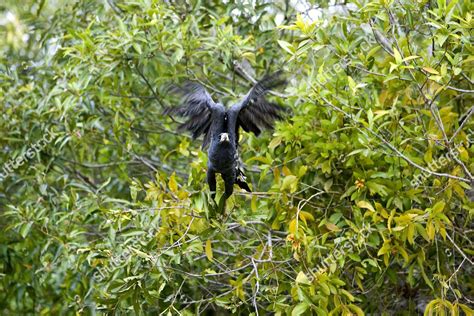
(220, 126)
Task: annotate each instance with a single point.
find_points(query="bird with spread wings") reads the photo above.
(220, 126)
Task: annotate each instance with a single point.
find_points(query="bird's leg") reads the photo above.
(229, 179)
(211, 180)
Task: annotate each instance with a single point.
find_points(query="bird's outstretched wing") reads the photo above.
(197, 106)
(255, 112)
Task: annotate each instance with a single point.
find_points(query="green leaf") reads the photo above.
(177, 55)
(398, 57)
(366, 205)
(431, 70)
(137, 48)
(209, 254)
(289, 182)
(275, 142)
(25, 229)
(301, 278)
(172, 184)
(286, 46)
(356, 309)
(438, 207)
(299, 309)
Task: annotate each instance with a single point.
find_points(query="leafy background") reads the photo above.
(362, 196)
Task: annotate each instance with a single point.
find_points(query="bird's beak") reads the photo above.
(224, 137)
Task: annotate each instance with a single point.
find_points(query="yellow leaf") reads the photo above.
(442, 232)
(390, 219)
(466, 309)
(249, 55)
(398, 228)
(365, 204)
(410, 58)
(404, 253)
(356, 309)
(459, 190)
(411, 234)
(299, 22)
(301, 278)
(385, 248)
(325, 288)
(286, 171)
(172, 184)
(397, 55)
(209, 250)
(182, 195)
(332, 227)
(428, 156)
(305, 216)
(380, 113)
(348, 295)
(430, 230)
(276, 174)
(302, 171)
(275, 142)
(289, 182)
(352, 83)
(463, 153)
(438, 207)
(253, 203)
(431, 70)
(292, 226)
(468, 60)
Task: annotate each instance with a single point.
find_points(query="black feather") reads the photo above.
(256, 113)
(195, 107)
(240, 180)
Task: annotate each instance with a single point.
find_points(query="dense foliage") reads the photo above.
(363, 198)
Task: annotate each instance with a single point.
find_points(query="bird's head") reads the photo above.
(224, 137)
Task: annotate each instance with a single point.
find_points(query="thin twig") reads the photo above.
(467, 117)
(257, 286)
(459, 250)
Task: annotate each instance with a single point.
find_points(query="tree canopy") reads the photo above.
(362, 196)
